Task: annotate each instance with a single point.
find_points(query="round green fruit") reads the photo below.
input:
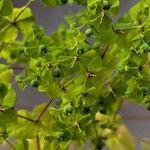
(60, 136)
(99, 144)
(88, 32)
(20, 50)
(43, 49)
(80, 50)
(3, 90)
(68, 109)
(62, 2)
(92, 6)
(106, 5)
(13, 55)
(35, 83)
(85, 109)
(56, 72)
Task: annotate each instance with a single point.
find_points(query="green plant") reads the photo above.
(91, 66)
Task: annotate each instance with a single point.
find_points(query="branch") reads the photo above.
(104, 52)
(24, 8)
(38, 142)
(7, 141)
(26, 118)
(1, 46)
(43, 111)
(17, 68)
(118, 108)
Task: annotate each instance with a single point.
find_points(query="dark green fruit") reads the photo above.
(43, 49)
(13, 55)
(85, 109)
(80, 50)
(99, 144)
(92, 6)
(60, 136)
(35, 83)
(68, 109)
(3, 90)
(88, 32)
(102, 110)
(106, 5)
(62, 2)
(56, 72)
(20, 50)
(145, 91)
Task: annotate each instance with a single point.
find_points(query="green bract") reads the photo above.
(87, 68)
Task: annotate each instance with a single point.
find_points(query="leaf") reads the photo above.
(95, 65)
(115, 7)
(145, 145)
(6, 7)
(25, 128)
(49, 3)
(8, 119)
(10, 99)
(7, 31)
(121, 140)
(5, 73)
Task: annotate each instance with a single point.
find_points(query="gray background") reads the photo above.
(135, 117)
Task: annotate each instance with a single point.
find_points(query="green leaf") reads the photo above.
(8, 119)
(10, 99)
(145, 145)
(50, 3)
(114, 7)
(6, 7)
(5, 73)
(95, 65)
(122, 140)
(7, 31)
(25, 128)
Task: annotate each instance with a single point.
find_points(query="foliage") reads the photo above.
(91, 65)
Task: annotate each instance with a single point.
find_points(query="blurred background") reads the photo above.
(136, 118)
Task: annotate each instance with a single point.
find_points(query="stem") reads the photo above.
(118, 107)
(17, 68)
(9, 143)
(5, 28)
(105, 50)
(38, 143)
(24, 8)
(43, 111)
(1, 46)
(71, 81)
(26, 118)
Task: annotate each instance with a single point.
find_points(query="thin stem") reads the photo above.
(38, 142)
(71, 81)
(26, 118)
(5, 28)
(43, 111)
(104, 52)
(17, 68)
(1, 46)
(24, 8)
(118, 107)
(7, 141)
